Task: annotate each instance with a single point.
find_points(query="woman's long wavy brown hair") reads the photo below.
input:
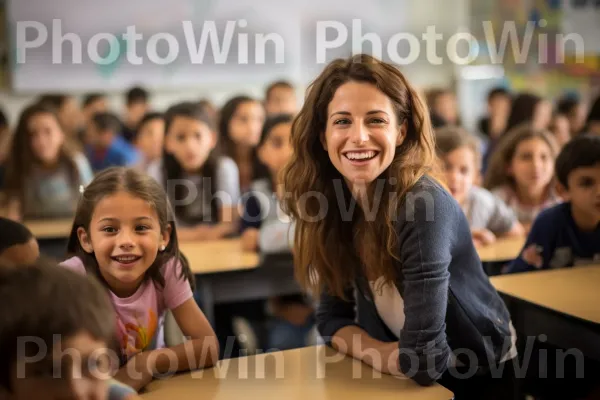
(322, 246)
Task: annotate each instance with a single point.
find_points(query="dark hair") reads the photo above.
(54, 100)
(137, 95)
(3, 120)
(566, 105)
(147, 118)
(594, 113)
(582, 151)
(523, 109)
(277, 85)
(91, 98)
(172, 170)
(13, 233)
(498, 91)
(138, 184)
(43, 300)
(21, 159)
(261, 171)
(106, 121)
(450, 138)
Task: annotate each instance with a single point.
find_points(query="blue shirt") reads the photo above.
(560, 241)
(119, 154)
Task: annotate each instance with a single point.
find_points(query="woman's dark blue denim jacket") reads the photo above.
(449, 302)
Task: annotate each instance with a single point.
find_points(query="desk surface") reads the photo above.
(218, 256)
(310, 373)
(502, 250)
(50, 229)
(571, 291)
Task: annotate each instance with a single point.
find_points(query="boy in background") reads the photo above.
(18, 246)
(280, 98)
(568, 234)
(137, 102)
(107, 148)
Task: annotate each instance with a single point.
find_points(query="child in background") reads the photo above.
(532, 109)
(266, 228)
(149, 139)
(18, 246)
(240, 125)
(68, 112)
(137, 102)
(5, 138)
(575, 110)
(202, 186)
(123, 234)
(488, 216)
(494, 124)
(569, 233)
(107, 148)
(93, 103)
(280, 98)
(443, 105)
(209, 109)
(593, 119)
(43, 173)
(42, 307)
(521, 172)
(560, 129)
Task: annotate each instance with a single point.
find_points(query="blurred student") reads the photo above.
(569, 233)
(149, 139)
(68, 112)
(267, 229)
(202, 185)
(532, 109)
(488, 216)
(18, 246)
(93, 103)
(210, 109)
(593, 119)
(280, 98)
(43, 173)
(444, 106)
(5, 138)
(575, 111)
(124, 235)
(107, 148)
(137, 104)
(240, 125)
(70, 319)
(498, 105)
(560, 128)
(521, 172)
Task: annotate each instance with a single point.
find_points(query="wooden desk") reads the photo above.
(310, 373)
(50, 229)
(218, 256)
(560, 304)
(502, 250)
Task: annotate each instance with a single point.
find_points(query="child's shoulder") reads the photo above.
(226, 164)
(554, 218)
(75, 264)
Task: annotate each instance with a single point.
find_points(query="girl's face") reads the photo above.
(446, 107)
(532, 165)
(246, 124)
(125, 237)
(150, 138)
(276, 151)
(461, 172)
(542, 115)
(561, 130)
(70, 115)
(46, 138)
(190, 141)
(361, 132)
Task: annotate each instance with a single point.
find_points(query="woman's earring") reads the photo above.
(162, 248)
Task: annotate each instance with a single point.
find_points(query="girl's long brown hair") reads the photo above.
(21, 159)
(323, 247)
(138, 184)
(496, 174)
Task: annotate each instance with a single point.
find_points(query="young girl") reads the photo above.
(488, 216)
(521, 172)
(400, 281)
(240, 125)
(149, 139)
(68, 112)
(43, 173)
(123, 234)
(266, 228)
(202, 186)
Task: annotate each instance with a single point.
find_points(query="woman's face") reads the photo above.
(361, 133)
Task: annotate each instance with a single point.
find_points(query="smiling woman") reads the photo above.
(401, 286)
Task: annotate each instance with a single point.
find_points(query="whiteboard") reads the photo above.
(85, 48)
